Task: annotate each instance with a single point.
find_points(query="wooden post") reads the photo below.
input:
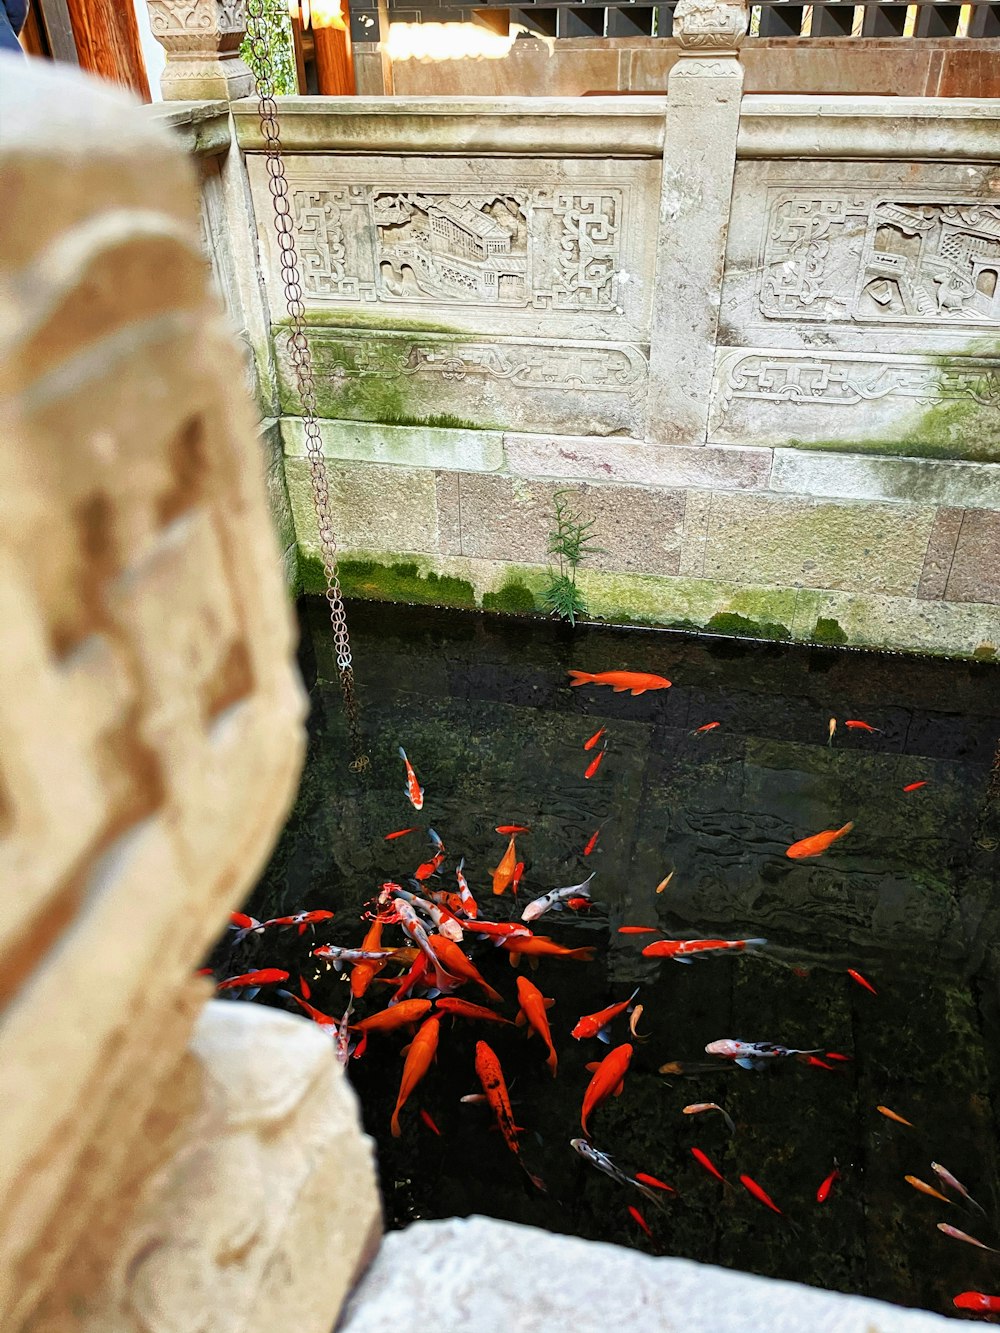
(334, 58)
(107, 42)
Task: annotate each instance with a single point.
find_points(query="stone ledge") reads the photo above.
(864, 477)
(202, 127)
(619, 458)
(491, 1277)
(404, 446)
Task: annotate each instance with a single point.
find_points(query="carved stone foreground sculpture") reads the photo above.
(150, 741)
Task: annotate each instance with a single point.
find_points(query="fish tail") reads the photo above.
(394, 1124)
(402, 754)
(553, 1061)
(652, 1195)
(729, 1121)
(847, 827)
(585, 955)
(580, 677)
(754, 944)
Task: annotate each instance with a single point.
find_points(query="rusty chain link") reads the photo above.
(300, 356)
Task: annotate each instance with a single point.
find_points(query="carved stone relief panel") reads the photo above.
(503, 244)
(894, 257)
(519, 383)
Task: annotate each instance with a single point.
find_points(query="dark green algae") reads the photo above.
(910, 899)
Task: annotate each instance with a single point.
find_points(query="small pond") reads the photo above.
(909, 899)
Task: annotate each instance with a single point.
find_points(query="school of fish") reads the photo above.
(441, 929)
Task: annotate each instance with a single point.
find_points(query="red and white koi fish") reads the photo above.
(636, 682)
(760, 1194)
(977, 1300)
(244, 925)
(684, 951)
(497, 930)
(303, 920)
(428, 868)
(599, 1024)
(414, 930)
(862, 981)
(855, 724)
(817, 843)
(414, 791)
(420, 1053)
(823, 1193)
(752, 1054)
(914, 786)
(955, 1234)
(608, 1080)
(945, 1176)
(342, 1037)
(595, 763)
(518, 875)
(589, 744)
(251, 982)
(445, 922)
(555, 899)
(495, 1087)
(604, 1163)
(533, 1006)
(451, 1004)
(697, 1107)
(464, 892)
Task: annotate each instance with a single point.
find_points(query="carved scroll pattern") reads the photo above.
(868, 260)
(322, 246)
(588, 252)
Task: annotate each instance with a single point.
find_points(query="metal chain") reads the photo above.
(301, 358)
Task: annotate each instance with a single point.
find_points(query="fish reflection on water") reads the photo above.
(491, 729)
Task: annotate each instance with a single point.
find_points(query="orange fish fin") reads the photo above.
(533, 964)
(548, 1003)
(520, 1020)
(639, 689)
(515, 958)
(406, 1048)
(593, 1067)
(620, 1089)
(620, 689)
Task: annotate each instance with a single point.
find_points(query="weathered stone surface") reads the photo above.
(699, 159)
(648, 464)
(456, 1275)
(940, 553)
(508, 518)
(202, 41)
(872, 621)
(277, 491)
(862, 547)
(697, 512)
(375, 506)
(857, 477)
(975, 572)
(263, 1206)
(409, 446)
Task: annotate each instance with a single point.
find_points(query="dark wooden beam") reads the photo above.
(334, 59)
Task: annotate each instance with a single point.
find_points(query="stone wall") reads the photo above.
(781, 408)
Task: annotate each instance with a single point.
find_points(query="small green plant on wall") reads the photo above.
(570, 542)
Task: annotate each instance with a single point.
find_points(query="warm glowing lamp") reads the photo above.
(317, 14)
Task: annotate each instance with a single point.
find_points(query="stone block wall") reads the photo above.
(779, 401)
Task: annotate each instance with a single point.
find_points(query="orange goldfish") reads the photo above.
(513, 828)
(599, 1024)
(636, 682)
(540, 946)
(706, 726)
(495, 1087)
(636, 930)
(608, 1080)
(592, 842)
(400, 833)
(704, 1160)
(363, 973)
(533, 1007)
(924, 1188)
(823, 1193)
(914, 786)
(428, 1120)
(855, 724)
(891, 1115)
(595, 763)
(816, 844)
(750, 1184)
(862, 981)
(396, 1016)
(420, 1053)
(589, 744)
(414, 791)
(504, 872)
(639, 1220)
(451, 1004)
(977, 1300)
(665, 882)
(265, 976)
(453, 960)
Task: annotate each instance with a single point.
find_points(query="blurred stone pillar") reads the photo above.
(166, 1166)
(704, 91)
(202, 41)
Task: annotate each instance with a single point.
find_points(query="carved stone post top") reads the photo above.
(202, 41)
(710, 27)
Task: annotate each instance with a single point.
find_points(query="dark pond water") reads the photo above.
(910, 899)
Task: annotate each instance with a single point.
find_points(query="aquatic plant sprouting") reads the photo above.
(570, 541)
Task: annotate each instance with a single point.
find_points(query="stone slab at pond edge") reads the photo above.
(477, 1275)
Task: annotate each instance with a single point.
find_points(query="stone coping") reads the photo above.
(543, 126)
(491, 1277)
(803, 125)
(202, 127)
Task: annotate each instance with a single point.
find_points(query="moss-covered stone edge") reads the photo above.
(410, 580)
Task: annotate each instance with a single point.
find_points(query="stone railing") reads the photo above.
(760, 335)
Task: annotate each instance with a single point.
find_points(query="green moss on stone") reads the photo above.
(403, 582)
(364, 321)
(827, 630)
(985, 652)
(731, 622)
(512, 596)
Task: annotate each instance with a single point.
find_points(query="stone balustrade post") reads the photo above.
(704, 91)
(202, 41)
